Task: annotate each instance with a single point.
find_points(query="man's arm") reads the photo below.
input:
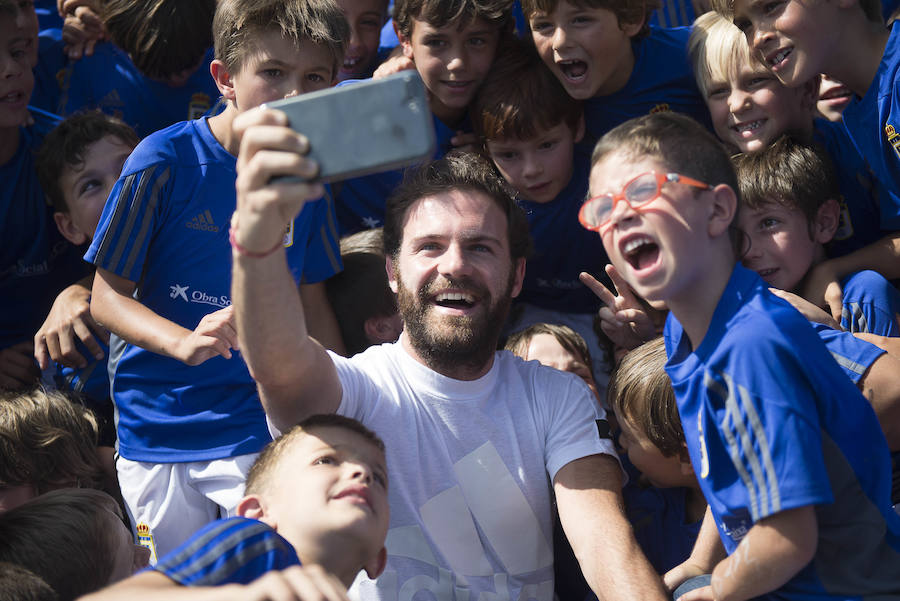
(307, 583)
(321, 322)
(772, 552)
(294, 374)
(589, 497)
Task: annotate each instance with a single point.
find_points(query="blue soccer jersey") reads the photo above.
(871, 304)
(36, 262)
(360, 201)
(661, 80)
(233, 551)
(853, 355)
(562, 249)
(165, 227)
(109, 81)
(658, 517)
(772, 424)
(860, 219)
(874, 125)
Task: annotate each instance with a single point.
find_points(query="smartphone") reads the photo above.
(365, 127)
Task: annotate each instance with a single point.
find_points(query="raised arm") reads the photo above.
(294, 374)
(589, 497)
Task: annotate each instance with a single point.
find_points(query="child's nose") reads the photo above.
(559, 38)
(738, 100)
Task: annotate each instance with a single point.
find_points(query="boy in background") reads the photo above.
(77, 165)
(789, 214)
(849, 42)
(529, 127)
(452, 44)
(189, 419)
(316, 495)
(750, 109)
(366, 18)
(605, 53)
(789, 455)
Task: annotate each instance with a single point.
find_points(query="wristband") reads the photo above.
(247, 252)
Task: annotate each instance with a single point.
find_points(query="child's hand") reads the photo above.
(82, 27)
(306, 583)
(682, 573)
(214, 335)
(269, 148)
(17, 366)
(464, 141)
(69, 317)
(396, 62)
(822, 287)
(624, 319)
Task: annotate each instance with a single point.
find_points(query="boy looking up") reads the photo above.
(452, 44)
(846, 41)
(316, 495)
(189, 421)
(605, 53)
(789, 214)
(750, 109)
(530, 126)
(788, 453)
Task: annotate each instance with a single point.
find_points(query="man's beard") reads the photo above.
(450, 343)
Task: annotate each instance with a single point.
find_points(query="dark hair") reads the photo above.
(640, 392)
(64, 538)
(456, 171)
(260, 475)
(162, 37)
(361, 290)
(239, 24)
(47, 441)
(439, 13)
(626, 11)
(521, 97)
(20, 584)
(569, 339)
(789, 172)
(66, 144)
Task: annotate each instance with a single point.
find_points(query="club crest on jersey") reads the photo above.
(289, 234)
(662, 107)
(893, 138)
(198, 106)
(145, 539)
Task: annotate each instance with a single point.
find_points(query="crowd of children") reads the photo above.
(712, 194)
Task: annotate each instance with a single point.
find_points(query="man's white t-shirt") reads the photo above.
(470, 466)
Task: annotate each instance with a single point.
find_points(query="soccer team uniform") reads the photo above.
(871, 304)
(231, 551)
(472, 515)
(165, 227)
(772, 424)
(860, 218)
(109, 81)
(874, 125)
(36, 262)
(661, 80)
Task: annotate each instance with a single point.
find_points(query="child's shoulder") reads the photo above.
(183, 145)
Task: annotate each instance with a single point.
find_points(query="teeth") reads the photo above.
(351, 62)
(454, 296)
(779, 57)
(457, 84)
(745, 127)
(635, 244)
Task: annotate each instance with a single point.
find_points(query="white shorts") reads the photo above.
(168, 502)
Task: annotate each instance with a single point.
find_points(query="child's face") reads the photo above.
(128, 557)
(366, 17)
(787, 36)
(452, 62)
(586, 48)
(86, 186)
(16, 79)
(833, 98)
(28, 26)
(650, 247)
(538, 168)
(279, 69)
(781, 247)
(660, 471)
(547, 349)
(752, 108)
(332, 485)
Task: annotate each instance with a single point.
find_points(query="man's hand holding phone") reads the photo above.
(266, 200)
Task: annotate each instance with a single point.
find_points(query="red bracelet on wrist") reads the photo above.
(247, 252)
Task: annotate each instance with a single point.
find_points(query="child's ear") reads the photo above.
(405, 43)
(381, 329)
(222, 78)
(375, 566)
(251, 507)
(684, 461)
(632, 29)
(826, 223)
(389, 267)
(68, 229)
(723, 209)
